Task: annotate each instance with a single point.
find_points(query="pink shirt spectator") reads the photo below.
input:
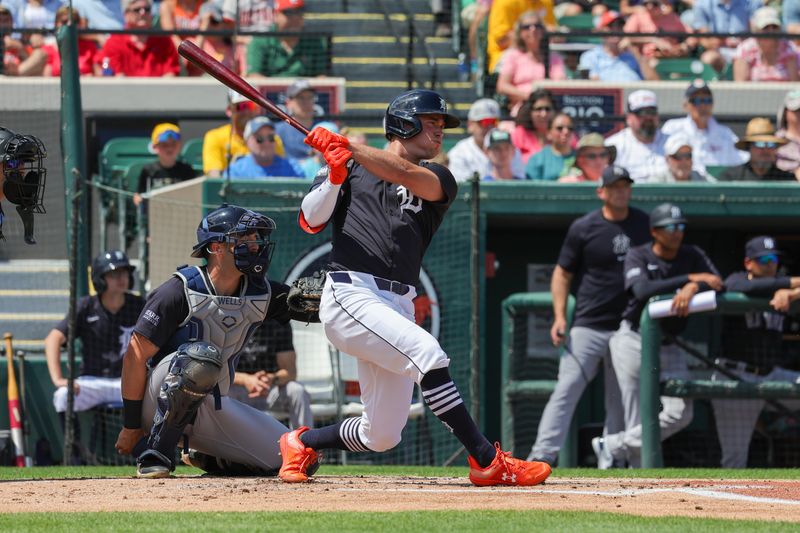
(523, 70)
(526, 141)
(641, 21)
(749, 52)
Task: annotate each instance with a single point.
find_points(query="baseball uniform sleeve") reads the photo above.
(80, 313)
(163, 312)
(570, 255)
(739, 282)
(448, 182)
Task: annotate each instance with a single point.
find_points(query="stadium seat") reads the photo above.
(715, 170)
(584, 21)
(685, 69)
(192, 153)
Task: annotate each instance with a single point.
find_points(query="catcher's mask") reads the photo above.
(25, 175)
(246, 230)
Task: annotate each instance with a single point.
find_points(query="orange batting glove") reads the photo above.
(321, 139)
(337, 157)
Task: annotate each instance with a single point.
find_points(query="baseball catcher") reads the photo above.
(22, 177)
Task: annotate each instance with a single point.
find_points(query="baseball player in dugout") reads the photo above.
(663, 266)
(590, 266)
(385, 207)
(183, 353)
(753, 345)
(22, 178)
(104, 324)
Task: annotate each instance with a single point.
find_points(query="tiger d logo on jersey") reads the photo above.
(407, 200)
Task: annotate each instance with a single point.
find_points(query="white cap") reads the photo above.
(675, 143)
(483, 108)
(641, 99)
(766, 16)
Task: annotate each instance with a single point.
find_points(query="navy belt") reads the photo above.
(383, 284)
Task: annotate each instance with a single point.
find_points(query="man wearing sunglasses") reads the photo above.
(262, 161)
(753, 345)
(469, 156)
(712, 143)
(762, 143)
(679, 156)
(663, 266)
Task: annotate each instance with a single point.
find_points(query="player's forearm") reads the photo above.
(134, 367)
(394, 169)
(559, 290)
(240, 378)
(319, 204)
(52, 350)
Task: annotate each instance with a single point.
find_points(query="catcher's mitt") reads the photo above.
(305, 293)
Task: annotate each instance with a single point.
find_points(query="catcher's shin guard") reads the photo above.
(193, 372)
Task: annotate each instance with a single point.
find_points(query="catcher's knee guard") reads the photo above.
(193, 372)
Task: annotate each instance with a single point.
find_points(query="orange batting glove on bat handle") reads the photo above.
(337, 157)
(321, 139)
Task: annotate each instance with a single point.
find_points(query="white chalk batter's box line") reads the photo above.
(707, 493)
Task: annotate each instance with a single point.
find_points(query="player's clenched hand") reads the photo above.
(127, 440)
(337, 158)
(257, 384)
(321, 139)
(558, 331)
(680, 303)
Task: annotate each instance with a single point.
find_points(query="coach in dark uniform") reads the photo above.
(662, 266)
(104, 323)
(385, 208)
(753, 345)
(592, 256)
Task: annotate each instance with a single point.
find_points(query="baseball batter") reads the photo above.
(385, 209)
(183, 353)
(592, 255)
(753, 345)
(662, 266)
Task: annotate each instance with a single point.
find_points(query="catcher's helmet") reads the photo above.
(229, 222)
(25, 174)
(105, 263)
(401, 115)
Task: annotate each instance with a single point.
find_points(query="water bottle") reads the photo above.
(106, 67)
(463, 67)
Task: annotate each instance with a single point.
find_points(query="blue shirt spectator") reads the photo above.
(607, 67)
(246, 167)
(721, 17)
(101, 14)
(791, 14)
(548, 165)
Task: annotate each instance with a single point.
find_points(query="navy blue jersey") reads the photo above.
(104, 335)
(381, 228)
(594, 252)
(261, 351)
(647, 275)
(755, 337)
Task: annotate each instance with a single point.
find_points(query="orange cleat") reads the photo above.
(507, 470)
(297, 459)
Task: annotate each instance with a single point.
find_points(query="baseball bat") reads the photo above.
(193, 53)
(14, 416)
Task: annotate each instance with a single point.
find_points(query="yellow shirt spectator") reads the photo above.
(503, 16)
(219, 143)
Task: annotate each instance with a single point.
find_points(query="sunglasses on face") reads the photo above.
(169, 136)
(764, 144)
(672, 228)
(543, 109)
(646, 112)
(261, 138)
(701, 100)
(142, 10)
(534, 25)
(682, 156)
(563, 128)
(488, 122)
(767, 259)
(591, 156)
(245, 106)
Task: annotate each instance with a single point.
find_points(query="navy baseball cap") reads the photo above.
(697, 86)
(666, 214)
(614, 173)
(761, 246)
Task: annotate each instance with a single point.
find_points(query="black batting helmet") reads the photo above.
(105, 263)
(401, 115)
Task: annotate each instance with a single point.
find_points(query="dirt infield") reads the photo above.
(735, 499)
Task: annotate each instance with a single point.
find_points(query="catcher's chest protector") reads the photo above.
(224, 321)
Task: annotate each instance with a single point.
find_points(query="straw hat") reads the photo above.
(759, 129)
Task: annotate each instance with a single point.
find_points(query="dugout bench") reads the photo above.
(651, 388)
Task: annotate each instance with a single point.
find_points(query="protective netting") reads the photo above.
(162, 240)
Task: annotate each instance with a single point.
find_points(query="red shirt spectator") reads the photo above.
(87, 56)
(139, 55)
